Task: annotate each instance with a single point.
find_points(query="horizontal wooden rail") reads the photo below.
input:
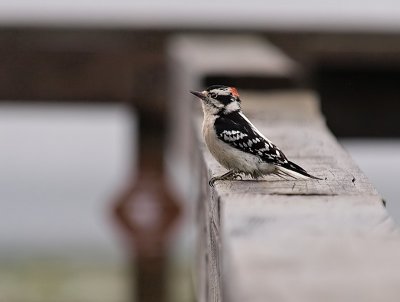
(296, 240)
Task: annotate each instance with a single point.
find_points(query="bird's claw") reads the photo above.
(227, 176)
(237, 177)
(212, 181)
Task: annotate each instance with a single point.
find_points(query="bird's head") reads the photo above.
(219, 99)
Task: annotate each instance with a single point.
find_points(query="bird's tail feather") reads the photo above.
(295, 171)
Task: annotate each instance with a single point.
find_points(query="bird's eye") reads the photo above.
(213, 95)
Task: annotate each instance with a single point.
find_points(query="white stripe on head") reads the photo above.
(233, 106)
(221, 91)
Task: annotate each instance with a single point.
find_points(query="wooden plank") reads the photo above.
(277, 240)
(80, 66)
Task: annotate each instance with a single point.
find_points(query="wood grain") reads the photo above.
(314, 240)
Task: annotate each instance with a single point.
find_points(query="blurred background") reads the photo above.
(85, 91)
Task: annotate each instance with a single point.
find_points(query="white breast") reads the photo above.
(229, 157)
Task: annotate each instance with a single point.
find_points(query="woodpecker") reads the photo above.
(236, 143)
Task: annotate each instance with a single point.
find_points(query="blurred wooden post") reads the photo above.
(146, 211)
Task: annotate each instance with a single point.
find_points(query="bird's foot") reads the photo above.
(237, 176)
(231, 175)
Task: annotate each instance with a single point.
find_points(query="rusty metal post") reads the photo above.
(146, 210)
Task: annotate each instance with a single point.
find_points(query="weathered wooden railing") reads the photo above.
(278, 240)
(286, 240)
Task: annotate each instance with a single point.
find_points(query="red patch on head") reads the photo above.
(234, 91)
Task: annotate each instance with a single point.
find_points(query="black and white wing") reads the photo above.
(238, 132)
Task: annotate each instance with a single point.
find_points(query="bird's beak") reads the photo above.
(199, 94)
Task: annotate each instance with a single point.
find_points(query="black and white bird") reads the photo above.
(236, 143)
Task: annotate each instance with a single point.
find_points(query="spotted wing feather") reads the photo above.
(234, 130)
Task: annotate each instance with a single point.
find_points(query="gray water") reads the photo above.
(60, 167)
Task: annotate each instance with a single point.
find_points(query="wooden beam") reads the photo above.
(286, 240)
(67, 65)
